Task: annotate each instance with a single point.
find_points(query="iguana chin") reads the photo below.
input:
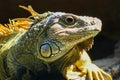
(54, 42)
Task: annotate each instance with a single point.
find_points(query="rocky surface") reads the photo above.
(111, 66)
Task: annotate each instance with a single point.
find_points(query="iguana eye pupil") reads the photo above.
(70, 20)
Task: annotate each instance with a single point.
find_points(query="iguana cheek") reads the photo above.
(48, 50)
(45, 50)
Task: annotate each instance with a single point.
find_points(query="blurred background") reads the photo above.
(107, 10)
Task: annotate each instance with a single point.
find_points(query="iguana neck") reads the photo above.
(29, 39)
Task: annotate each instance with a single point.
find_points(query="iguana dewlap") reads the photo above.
(54, 42)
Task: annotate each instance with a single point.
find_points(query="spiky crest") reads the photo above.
(17, 24)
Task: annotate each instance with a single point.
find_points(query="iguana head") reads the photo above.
(63, 31)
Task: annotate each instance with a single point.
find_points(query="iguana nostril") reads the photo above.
(92, 22)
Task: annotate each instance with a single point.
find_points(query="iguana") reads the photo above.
(52, 42)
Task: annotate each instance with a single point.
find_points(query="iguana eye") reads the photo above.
(69, 20)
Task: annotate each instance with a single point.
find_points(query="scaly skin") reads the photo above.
(52, 42)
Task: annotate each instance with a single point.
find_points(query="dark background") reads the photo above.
(107, 10)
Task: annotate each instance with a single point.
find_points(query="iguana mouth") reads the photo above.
(96, 24)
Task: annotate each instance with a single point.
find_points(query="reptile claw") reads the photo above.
(91, 71)
(71, 74)
(94, 72)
